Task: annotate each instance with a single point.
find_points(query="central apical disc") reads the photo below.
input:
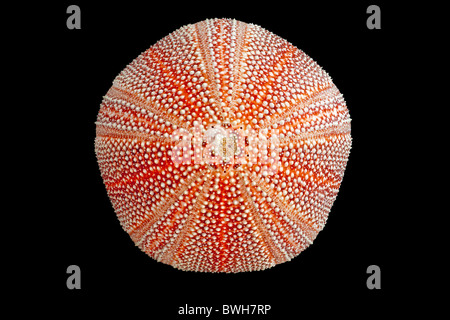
(222, 148)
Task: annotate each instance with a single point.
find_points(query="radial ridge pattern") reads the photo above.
(222, 148)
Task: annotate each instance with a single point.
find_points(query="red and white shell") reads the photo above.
(232, 207)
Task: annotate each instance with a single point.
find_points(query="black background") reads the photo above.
(78, 226)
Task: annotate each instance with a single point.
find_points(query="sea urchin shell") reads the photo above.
(222, 148)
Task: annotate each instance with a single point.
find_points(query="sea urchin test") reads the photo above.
(222, 148)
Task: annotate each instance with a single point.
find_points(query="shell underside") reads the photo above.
(233, 215)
